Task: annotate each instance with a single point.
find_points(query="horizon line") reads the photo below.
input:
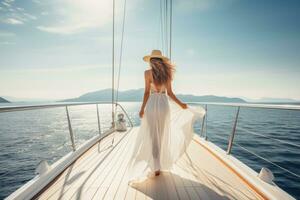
(247, 99)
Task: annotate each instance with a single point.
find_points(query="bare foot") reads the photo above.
(157, 173)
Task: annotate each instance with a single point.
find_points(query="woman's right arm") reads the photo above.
(172, 96)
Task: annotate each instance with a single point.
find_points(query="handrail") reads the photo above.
(43, 106)
(275, 139)
(5, 109)
(234, 127)
(268, 161)
(244, 105)
(261, 135)
(253, 105)
(57, 105)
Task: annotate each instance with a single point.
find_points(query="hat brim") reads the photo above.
(147, 58)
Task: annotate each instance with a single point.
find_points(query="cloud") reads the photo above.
(14, 15)
(74, 16)
(6, 4)
(60, 69)
(36, 1)
(7, 43)
(7, 34)
(64, 30)
(20, 9)
(7, 38)
(12, 21)
(44, 13)
(29, 16)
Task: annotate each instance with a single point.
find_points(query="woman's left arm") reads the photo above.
(146, 94)
(173, 96)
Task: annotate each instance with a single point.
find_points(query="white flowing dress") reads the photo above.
(165, 132)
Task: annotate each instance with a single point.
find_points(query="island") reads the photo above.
(2, 100)
(136, 95)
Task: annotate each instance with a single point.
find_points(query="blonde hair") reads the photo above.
(162, 71)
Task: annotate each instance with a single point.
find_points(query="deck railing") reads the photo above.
(66, 105)
(203, 133)
(45, 173)
(240, 106)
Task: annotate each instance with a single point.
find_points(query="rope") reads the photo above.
(165, 20)
(113, 67)
(166, 27)
(162, 26)
(166, 13)
(171, 15)
(158, 36)
(120, 62)
(261, 135)
(121, 52)
(268, 161)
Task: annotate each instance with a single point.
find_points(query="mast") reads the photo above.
(170, 47)
(113, 68)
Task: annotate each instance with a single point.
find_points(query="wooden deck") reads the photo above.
(99, 174)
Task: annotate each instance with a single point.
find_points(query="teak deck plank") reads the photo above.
(82, 164)
(102, 175)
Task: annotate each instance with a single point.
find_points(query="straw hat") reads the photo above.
(155, 54)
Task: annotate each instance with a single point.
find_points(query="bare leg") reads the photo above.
(156, 150)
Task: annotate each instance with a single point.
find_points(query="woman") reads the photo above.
(166, 122)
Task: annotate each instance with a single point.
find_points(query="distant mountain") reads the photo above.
(105, 95)
(210, 98)
(2, 100)
(137, 95)
(273, 100)
(21, 99)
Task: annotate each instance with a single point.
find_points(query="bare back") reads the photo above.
(153, 87)
(150, 87)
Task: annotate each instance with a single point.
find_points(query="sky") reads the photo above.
(63, 48)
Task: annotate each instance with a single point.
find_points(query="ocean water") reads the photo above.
(27, 137)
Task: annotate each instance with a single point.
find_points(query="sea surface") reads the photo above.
(264, 138)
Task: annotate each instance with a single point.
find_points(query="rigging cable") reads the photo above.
(121, 52)
(164, 42)
(157, 41)
(166, 27)
(162, 26)
(113, 67)
(166, 14)
(170, 36)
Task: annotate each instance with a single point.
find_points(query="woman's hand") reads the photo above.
(183, 106)
(141, 114)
